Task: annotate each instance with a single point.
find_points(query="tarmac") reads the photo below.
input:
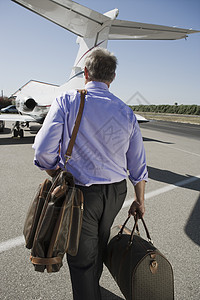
(172, 213)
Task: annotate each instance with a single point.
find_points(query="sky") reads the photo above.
(159, 72)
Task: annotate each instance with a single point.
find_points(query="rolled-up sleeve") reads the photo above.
(136, 157)
(48, 139)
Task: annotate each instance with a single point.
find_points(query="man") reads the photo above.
(108, 143)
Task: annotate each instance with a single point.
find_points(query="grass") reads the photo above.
(191, 119)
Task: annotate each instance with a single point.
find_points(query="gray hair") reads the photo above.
(101, 65)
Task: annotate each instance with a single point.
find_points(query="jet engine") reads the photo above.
(29, 104)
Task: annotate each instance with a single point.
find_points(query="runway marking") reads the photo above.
(12, 243)
(165, 189)
(182, 150)
(18, 241)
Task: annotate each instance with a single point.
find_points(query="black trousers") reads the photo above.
(102, 203)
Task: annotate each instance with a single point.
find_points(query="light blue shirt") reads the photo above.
(109, 141)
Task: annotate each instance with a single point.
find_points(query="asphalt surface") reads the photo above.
(181, 129)
(172, 213)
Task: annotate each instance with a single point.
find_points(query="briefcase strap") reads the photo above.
(45, 261)
(76, 126)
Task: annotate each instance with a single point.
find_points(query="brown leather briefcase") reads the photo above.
(141, 271)
(54, 219)
(53, 223)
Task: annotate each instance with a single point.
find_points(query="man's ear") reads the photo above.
(86, 73)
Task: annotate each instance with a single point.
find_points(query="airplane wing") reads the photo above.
(85, 22)
(141, 119)
(43, 93)
(16, 117)
(128, 30)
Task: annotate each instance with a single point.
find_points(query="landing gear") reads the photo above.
(18, 133)
(17, 130)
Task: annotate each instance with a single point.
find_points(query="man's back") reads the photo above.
(108, 140)
(103, 137)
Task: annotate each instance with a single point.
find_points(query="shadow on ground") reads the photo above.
(174, 178)
(157, 141)
(192, 228)
(17, 141)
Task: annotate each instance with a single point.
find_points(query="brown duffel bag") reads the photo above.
(53, 222)
(54, 219)
(141, 271)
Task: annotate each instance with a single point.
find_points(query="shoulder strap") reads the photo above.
(76, 126)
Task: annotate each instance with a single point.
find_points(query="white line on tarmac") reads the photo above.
(165, 189)
(18, 241)
(182, 150)
(12, 243)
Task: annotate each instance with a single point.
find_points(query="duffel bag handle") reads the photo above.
(135, 227)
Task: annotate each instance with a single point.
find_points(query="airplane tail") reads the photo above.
(91, 27)
(70, 15)
(88, 23)
(95, 29)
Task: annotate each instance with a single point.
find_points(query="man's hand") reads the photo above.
(53, 173)
(136, 209)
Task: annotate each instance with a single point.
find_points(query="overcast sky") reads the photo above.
(163, 72)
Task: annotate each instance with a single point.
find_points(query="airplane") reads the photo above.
(93, 29)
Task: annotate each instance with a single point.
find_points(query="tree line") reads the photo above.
(171, 109)
(5, 101)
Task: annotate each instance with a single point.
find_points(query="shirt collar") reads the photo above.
(96, 84)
